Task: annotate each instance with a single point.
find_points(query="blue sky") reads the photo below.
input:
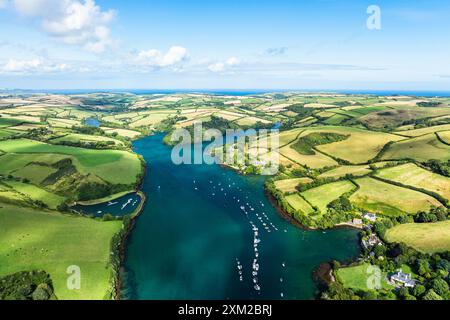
(172, 44)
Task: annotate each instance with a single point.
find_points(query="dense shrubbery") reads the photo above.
(305, 145)
(439, 167)
(28, 285)
(88, 130)
(429, 104)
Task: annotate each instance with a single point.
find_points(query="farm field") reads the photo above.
(112, 165)
(412, 175)
(36, 240)
(36, 194)
(315, 161)
(424, 131)
(425, 237)
(321, 196)
(299, 204)
(74, 137)
(422, 148)
(444, 136)
(360, 147)
(288, 185)
(357, 277)
(384, 198)
(346, 170)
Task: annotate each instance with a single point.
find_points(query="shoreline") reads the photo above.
(122, 245)
(273, 201)
(118, 281)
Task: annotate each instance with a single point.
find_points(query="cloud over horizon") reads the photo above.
(73, 22)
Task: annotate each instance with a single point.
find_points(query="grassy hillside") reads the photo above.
(424, 237)
(385, 198)
(36, 240)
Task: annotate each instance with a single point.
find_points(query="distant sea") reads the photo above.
(234, 92)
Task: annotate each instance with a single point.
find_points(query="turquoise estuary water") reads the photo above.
(208, 233)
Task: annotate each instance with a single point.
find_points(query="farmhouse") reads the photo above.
(372, 241)
(370, 216)
(403, 279)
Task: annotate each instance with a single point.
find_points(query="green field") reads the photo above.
(412, 175)
(358, 277)
(8, 122)
(53, 242)
(299, 204)
(74, 137)
(321, 196)
(444, 136)
(425, 237)
(360, 147)
(316, 161)
(384, 198)
(422, 148)
(424, 131)
(345, 170)
(288, 185)
(37, 194)
(111, 165)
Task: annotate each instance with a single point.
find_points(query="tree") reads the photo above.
(379, 250)
(42, 292)
(63, 207)
(423, 266)
(370, 295)
(440, 286)
(418, 290)
(431, 295)
(443, 266)
(403, 292)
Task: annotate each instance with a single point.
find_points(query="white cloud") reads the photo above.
(224, 66)
(75, 22)
(32, 66)
(155, 58)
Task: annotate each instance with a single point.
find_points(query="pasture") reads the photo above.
(299, 204)
(412, 175)
(288, 185)
(342, 171)
(357, 277)
(321, 196)
(36, 194)
(424, 237)
(38, 240)
(384, 198)
(111, 165)
(422, 148)
(360, 147)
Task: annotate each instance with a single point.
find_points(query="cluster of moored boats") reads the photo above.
(124, 205)
(251, 213)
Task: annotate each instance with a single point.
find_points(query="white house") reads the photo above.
(403, 279)
(370, 216)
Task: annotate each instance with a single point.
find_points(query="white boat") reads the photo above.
(282, 295)
(112, 203)
(283, 264)
(257, 288)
